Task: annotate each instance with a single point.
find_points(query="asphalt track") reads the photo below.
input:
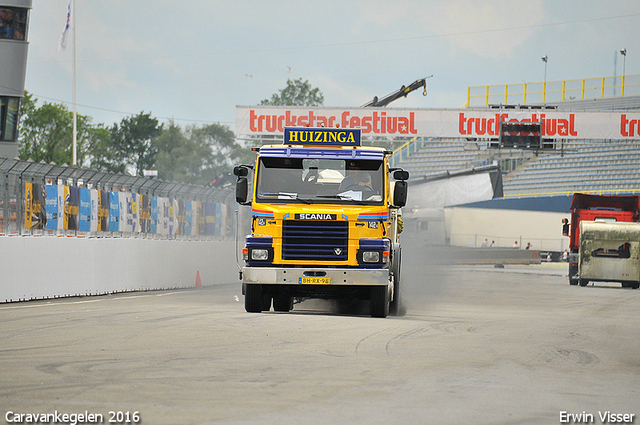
(473, 344)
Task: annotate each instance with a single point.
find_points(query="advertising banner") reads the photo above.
(28, 201)
(202, 229)
(122, 202)
(210, 214)
(194, 218)
(135, 212)
(171, 219)
(176, 217)
(444, 123)
(71, 207)
(187, 217)
(145, 213)
(103, 211)
(181, 216)
(163, 215)
(218, 218)
(95, 206)
(84, 214)
(114, 212)
(54, 208)
(153, 222)
(35, 197)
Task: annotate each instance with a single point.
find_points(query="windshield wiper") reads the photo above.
(342, 197)
(290, 195)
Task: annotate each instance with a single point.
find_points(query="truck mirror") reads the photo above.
(401, 175)
(240, 171)
(242, 188)
(400, 193)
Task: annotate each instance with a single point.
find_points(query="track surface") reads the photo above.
(475, 344)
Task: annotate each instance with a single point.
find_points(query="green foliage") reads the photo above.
(297, 93)
(134, 141)
(196, 155)
(46, 132)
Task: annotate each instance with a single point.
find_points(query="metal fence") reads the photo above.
(554, 91)
(39, 199)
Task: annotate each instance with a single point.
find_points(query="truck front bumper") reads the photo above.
(293, 275)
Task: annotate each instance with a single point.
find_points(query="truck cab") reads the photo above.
(324, 221)
(593, 230)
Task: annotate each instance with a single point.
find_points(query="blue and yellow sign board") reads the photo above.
(322, 136)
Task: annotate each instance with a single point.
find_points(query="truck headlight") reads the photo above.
(259, 254)
(371, 256)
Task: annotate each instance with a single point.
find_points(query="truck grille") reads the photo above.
(315, 240)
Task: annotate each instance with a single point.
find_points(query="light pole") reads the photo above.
(623, 52)
(545, 58)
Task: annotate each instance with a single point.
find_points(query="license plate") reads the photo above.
(314, 281)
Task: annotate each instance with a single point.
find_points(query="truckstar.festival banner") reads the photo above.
(444, 123)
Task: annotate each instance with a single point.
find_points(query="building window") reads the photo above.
(9, 108)
(13, 23)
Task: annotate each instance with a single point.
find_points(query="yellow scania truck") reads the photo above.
(324, 222)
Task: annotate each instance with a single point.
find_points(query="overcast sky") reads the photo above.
(194, 61)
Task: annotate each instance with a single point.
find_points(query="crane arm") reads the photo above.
(402, 92)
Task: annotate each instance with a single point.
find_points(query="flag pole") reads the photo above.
(75, 119)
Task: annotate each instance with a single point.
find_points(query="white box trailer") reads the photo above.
(609, 251)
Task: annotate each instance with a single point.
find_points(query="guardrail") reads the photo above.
(553, 91)
(39, 199)
(570, 193)
(403, 152)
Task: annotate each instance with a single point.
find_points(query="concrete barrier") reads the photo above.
(495, 256)
(50, 267)
(451, 255)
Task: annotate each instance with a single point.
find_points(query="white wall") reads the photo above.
(48, 267)
(470, 226)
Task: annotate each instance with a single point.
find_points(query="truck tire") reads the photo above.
(395, 269)
(572, 272)
(584, 282)
(254, 299)
(635, 285)
(282, 303)
(379, 302)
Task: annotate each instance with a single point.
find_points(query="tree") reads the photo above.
(131, 145)
(198, 154)
(102, 154)
(297, 93)
(177, 156)
(46, 132)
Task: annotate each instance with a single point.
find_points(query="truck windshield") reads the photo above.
(320, 180)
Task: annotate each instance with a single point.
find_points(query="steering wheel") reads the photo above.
(312, 175)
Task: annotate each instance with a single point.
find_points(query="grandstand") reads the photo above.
(572, 166)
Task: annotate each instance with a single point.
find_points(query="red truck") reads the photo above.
(599, 209)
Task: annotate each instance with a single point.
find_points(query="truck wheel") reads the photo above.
(282, 303)
(254, 299)
(379, 301)
(583, 282)
(572, 272)
(635, 285)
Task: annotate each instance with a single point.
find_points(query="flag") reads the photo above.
(63, 38)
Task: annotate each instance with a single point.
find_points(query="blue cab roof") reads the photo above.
(287, 151)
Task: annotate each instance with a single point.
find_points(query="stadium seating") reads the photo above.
(574, 166)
